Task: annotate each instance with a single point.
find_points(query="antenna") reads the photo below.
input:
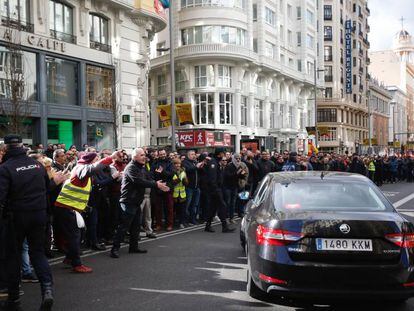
(402, 22)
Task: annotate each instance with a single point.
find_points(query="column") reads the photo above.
(43, 98)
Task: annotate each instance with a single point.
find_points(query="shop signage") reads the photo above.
(348, 56)
(203, 138)
(126, 118)
(11, 35)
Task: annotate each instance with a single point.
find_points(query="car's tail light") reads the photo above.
(404, 240)
(277, 237)
(270, 279)
(408, 284)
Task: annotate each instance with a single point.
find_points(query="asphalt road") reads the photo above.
(183, 270)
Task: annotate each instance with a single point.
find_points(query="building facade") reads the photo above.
(379, 101)
(342, 111)
(83, 66)
(246, 67)
(396, 68)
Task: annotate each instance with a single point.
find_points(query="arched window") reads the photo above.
(99, 34)
(61, 21)
(16, 14)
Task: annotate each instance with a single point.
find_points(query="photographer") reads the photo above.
(235, 178)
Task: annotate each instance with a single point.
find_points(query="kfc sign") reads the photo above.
(186, 139)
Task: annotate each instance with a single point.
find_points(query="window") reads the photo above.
(62, 81)
(327, 53)
(328, 92)
(269, 50)
(16, 14)
(61, 21)
(254, 12)
(213, 34)
(309, 17)
(310, 67)
(289, 11)
(281, 33)
(179, 81)
(270, 16)
(60, 131)
(204, 108)
(327, 31)
(328, 74)
(290, 117)
(241, 4)
(289, 37)
(101, 135)
(273, 115)
(204, 75)
(161, 84)
(226, 108)
(299, 38)
(255, 47)
(243, 110)
(98, 34)
(299, 65)
(309, 41)
(99, 85)
(259, 109)
(23, 63)
(329, 135)
(224, 76)
(327, 115)
(298, 12)
(327, 12)
(160, 47)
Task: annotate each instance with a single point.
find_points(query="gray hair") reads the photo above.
(57, 152)
(136, 151)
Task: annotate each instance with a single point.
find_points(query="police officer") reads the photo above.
(214, 185)
(23, 186)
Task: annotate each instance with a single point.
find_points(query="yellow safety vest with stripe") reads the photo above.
(179, 189)
(74, 196)
(371, 167)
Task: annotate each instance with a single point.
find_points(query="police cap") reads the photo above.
(12, 139)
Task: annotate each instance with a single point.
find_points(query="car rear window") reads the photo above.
(329, 196)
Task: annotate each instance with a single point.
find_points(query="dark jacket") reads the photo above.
(134, 182)
(213, 175)
(265, 167)
(23, 182)
(231, 177)
(167, 172)
(192, 173)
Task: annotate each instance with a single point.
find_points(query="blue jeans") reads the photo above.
(192, 203)
(230, 196)
(26, 268)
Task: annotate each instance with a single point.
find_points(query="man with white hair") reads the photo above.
(134, 182)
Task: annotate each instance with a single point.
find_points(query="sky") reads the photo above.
(385, 21)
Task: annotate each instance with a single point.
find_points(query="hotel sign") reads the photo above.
(348, 56)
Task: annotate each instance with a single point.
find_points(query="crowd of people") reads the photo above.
(94, 198)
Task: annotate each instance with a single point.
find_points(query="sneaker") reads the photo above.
(29, 278)
(182, 226)
(151, 235)
(82, 269)
(216, 218)
(190, 224)
(169, 228)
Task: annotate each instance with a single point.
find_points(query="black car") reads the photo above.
(326, 236)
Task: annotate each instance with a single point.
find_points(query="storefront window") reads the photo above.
(60, 132)
(17, 68)
(25, 128)
(62, 81)
(101, 135)
(99, 87)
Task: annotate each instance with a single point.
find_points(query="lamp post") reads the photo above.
(393, 105)
(315, 90)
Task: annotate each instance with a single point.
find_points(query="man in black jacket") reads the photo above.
(23, 187)
(192, 189)
(134, 182)
(215, 193)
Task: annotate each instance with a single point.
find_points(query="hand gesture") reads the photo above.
(159, 170)
(163, 186)
(60, 177)
(117, 155)
(200, 165)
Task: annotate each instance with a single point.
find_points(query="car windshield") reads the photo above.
(328, 196)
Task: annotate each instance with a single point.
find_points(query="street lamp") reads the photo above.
(393, 104)
(315, 90)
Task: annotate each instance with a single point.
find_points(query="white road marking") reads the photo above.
(390, 193)
(404, 200)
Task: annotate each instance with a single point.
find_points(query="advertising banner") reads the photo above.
(348, 56)
(184, 113)
(164, 112)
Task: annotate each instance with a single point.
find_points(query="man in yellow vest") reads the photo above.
(73, 199)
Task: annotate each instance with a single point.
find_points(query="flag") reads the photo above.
(164, 113)
(165, 3)
(184, 113)
(312, 149)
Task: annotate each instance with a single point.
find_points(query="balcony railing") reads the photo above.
(328, 37)
(67, 37)
(17, 24)
(100, 46)
(329, 78)
(327, 58)
(361, 34)
(327, 17)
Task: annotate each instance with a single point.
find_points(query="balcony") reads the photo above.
(368, 61)
(360, 15)
(368, 28)
(100, 46)
(361, 52)
(361, 88)
(368, 10)
(361, 34)
(327, 58)
(63, 36)
(327, 17)
(361, 70)
(17, 24)
(203, 50)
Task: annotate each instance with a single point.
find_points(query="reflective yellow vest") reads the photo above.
(179, 189)
(74, 196)
(371, 167)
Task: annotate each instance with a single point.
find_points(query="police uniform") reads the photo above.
(23, 196)
(216, 204)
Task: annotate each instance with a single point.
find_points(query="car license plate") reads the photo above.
(344, 245)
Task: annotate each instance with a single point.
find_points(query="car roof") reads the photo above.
(305, 176)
